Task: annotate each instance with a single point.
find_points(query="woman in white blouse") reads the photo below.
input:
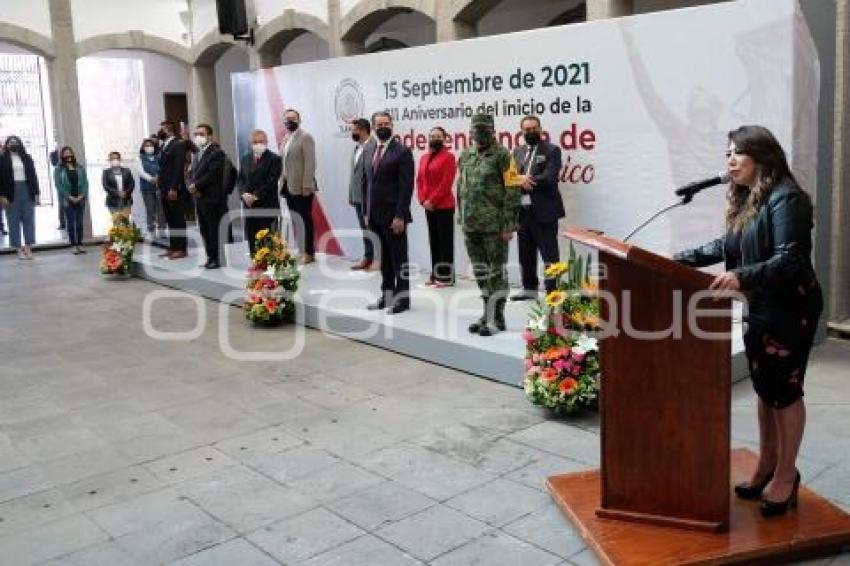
(19, 194)
(119, 184)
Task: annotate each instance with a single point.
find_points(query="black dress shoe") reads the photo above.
(524, 296)
(777, 508)
(212, 265)
(379, 306)
(746, 490)
(399, 307)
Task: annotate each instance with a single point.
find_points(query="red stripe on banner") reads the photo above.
(323, 230)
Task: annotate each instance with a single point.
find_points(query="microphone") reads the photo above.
(688, 191)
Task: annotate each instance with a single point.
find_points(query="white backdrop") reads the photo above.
(651, 99)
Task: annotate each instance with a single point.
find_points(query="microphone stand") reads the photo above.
(685, 200)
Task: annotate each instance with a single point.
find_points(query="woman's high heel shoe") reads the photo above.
(747, 490)
(777, 508)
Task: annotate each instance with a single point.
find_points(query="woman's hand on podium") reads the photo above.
(725, 282)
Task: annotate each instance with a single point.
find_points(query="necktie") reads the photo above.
(377, 158)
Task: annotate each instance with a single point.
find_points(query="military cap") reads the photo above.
(482, 120)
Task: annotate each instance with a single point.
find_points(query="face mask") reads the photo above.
(532, 138)
(482, 137)
(149, 149)
(259, 148)
(13, 147)
(201, 141)
(435, 145)
(68, 159)
(355, 137)
(115, 163)
(290, 125)
(384, 133)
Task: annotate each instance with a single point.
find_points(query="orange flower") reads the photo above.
(549, 375)
(271, 305)
(568, 385)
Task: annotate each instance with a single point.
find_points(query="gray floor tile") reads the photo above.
(235, 552)
(364, 551)
(243, 499)
(301, 537)
(425, 471)
(547, 528)
(50, 540)
(497, 548)
(433, 532)
(499, 502)
(379, 505)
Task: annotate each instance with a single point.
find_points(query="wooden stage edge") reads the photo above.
(816, 528)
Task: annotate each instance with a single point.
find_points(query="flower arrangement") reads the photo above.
(272, 281)
(117, 254)
(562, 370)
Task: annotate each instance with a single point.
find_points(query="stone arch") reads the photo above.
(27, 39)
(274, 36)
(134, 40)
(470, 11)
(368, 15)
(211, 47)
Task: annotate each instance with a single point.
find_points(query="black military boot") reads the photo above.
(499, 315)
(489, 326)
(475, 327)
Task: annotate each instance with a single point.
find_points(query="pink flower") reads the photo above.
(578, 354)
(528, 364)
(528, 336)
(560, 365)
(535, 358)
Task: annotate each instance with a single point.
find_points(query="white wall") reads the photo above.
(31, 14)
(646, 6)
(519, 15)
(413, 28)
(161, 74)
(154, 17)
(234, 60)
(268, 10)
(304, 48)
(204, 18)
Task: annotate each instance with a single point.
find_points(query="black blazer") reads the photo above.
(110, 185)
(7, 176)
(172, 160)
(546, 202)
(776, 249)
(388, 190)
(261, 178)
(207, 176)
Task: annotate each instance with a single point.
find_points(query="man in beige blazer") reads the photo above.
(298, 180)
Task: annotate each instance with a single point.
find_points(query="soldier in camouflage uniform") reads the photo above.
(489, 213)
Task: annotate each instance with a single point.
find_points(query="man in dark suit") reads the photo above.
(388, 189)
(206, 184)
(259, 172)
(361, 131)
(539, 166)
(171, 183)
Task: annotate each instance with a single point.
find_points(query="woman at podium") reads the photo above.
(767, 252)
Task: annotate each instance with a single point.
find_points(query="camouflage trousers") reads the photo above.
(489, 255)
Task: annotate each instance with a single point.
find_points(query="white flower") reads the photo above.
(587, 343)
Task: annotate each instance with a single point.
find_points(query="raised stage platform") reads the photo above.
(332, 298)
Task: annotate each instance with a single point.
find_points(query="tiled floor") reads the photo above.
(119, 449)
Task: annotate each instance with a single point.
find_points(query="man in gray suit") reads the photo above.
(298, 180)
(364, 143)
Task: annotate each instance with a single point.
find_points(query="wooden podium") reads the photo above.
(665, 422)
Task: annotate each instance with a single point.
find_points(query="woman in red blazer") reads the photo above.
(434, 182)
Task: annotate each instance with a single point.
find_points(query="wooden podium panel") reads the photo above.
(816, 528)
(665, 391)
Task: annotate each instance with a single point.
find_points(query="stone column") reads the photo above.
(335, 43)
(602, 9)
(839, 301)
(202, 96)
(449, 29)
(65, 89)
